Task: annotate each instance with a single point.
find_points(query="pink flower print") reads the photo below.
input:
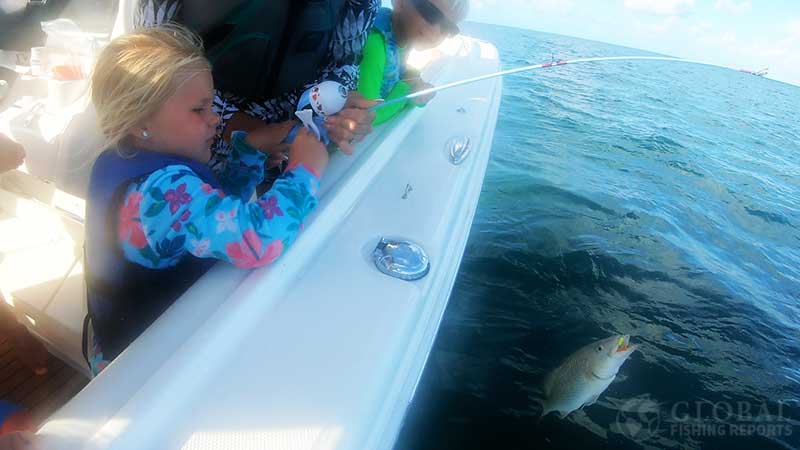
(130, 224)
(249, 252)
(208, 189)
(184, 217)
(270, 207)
(200, 248)
(177, 197)
(295, 165)
(225, 221)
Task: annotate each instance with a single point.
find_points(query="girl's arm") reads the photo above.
(173, 211)
(244, 170)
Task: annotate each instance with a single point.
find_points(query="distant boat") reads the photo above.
(759, 73)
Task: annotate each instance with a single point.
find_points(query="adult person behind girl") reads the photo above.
(157, 217)
(246, 109)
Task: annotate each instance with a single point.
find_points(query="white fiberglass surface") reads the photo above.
(319, 350)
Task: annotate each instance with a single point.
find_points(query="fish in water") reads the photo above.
(585, 374)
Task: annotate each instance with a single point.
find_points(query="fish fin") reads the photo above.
(547, 383)
(548, 409)
(589, 402)
(545, 409)
(544, 413)
(592, 401)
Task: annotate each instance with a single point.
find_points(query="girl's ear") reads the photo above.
(139, 135)
(144, 130)
(140, 132)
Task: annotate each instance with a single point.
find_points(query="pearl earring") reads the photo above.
(145, 134)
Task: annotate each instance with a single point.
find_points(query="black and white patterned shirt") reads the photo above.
(344, 53)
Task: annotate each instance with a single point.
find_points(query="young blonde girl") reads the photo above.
(157, 217)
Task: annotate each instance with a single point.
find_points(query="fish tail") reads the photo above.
(545, 410)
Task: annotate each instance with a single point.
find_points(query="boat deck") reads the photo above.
(39, 395)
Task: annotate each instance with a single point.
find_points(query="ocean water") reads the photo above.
(654, 199)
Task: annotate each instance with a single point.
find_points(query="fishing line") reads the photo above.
(552, 63)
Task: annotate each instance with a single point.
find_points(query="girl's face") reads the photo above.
(423, 24)
(185, 125)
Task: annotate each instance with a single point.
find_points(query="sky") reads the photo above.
(742, 34)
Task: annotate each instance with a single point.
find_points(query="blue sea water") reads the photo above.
(655, 199)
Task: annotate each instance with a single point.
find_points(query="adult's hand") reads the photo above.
(12, 155)
(353, 123)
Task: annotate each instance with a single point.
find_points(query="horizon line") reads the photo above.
(741, 69)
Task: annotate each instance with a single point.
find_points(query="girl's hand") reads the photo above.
(277, 155)
(308, 151)
(12, 155)
(267, 137)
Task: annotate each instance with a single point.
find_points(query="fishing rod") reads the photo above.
(546, 65)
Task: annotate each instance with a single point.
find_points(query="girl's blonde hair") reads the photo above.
(136, 74)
